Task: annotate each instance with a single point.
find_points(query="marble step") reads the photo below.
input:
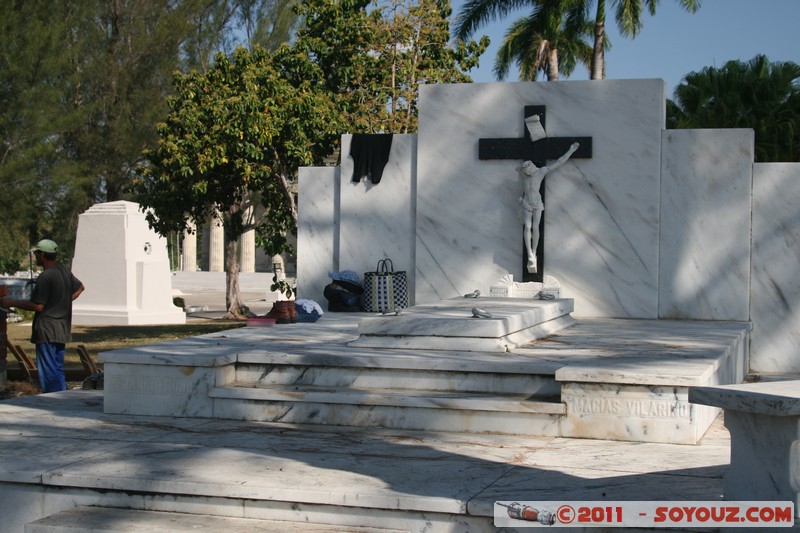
(471, 401)
(456, 412)
(506, 324)
(117, 520)
(539, 382)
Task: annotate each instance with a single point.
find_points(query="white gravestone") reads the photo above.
(124, 266)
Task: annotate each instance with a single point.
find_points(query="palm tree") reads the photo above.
(546, 41)
(549, 40)
(756, 94)
(628, 14)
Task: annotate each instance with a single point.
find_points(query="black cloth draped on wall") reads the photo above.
(370, 153)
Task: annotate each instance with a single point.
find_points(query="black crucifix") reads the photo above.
(538, 152)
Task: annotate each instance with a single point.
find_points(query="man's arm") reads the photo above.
(77, 292)
(21, 304)
(563, 159)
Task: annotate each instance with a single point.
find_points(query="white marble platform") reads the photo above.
(600, 378)
(61, 451)
(451, 324)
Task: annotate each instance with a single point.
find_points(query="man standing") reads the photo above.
(51, 302)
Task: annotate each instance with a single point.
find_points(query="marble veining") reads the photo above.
(705, 224)
(317, 230)
(416, 481)
(378, 219)
(618, 379)
(775, 294)
(601, 221)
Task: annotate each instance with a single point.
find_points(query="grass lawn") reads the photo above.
(105, 338)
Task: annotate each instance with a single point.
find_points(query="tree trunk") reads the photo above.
(233, 302)
(598, 53)
(552, 65)
(287, 190)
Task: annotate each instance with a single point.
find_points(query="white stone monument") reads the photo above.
(656, 224)
(124, 266)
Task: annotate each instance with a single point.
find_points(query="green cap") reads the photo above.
(45, 245)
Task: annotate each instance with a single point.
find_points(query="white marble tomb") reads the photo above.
(124, 266)
(657, 224)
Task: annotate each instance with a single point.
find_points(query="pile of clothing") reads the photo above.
(344, 291)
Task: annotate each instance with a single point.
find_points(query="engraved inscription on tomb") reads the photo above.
(638, 408)
(150, 385)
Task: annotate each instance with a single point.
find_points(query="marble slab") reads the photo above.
(378, 219)
(296, 476)
(635, 413)
(545, 483)
(345, 356)
(416, 481)
(162, 390)
(39, 454)
(452, 325)
(775, 398)
(428, 416)
(706, 190)
(642, 394)
(775, 285)
(317, 230)
(764, 423)
(765, 464)
(97, 518)
(413, 379)
(602, 214)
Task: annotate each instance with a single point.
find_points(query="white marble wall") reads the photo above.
(317, 230)
(775, 285)
(601, 216)
(351, 226)
(377, 220)
(706, 180)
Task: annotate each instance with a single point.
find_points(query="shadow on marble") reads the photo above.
(401, 470)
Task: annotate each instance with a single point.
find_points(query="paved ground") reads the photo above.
(77, 455)
(207, 289)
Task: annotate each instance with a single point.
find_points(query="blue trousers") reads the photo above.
(50, 363)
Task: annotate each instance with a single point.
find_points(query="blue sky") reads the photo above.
(674, 42)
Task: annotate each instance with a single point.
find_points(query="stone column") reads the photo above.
(216, 246)
(247, 248)
(190, 248)
(247, 251)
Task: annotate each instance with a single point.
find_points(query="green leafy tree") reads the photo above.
(374, 56)
(755, 94)
(33, 174)
(234, 138)
(82, 86)
(224, 25)
(123, 55)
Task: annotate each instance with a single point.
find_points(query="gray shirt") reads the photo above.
(53, 290)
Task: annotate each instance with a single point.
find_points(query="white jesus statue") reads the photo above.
(531, 202)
